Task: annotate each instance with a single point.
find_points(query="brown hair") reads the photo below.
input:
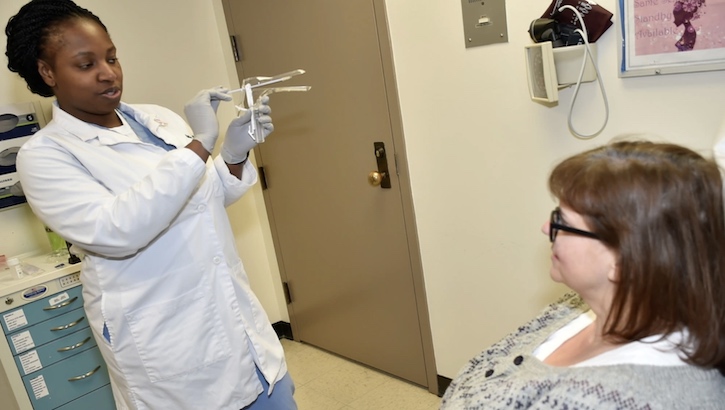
(659, 207)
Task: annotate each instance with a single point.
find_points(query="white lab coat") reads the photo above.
(161, 268)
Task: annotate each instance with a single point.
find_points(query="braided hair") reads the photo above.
(28, 34)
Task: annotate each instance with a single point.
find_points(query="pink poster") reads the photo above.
(675, 26)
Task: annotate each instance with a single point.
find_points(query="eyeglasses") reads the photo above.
(555, 226)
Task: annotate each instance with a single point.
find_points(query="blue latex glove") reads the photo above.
(238, 141)
(200, 113)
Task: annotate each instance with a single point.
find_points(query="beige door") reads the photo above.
(347, 249)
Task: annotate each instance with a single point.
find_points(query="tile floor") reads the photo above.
(325, 381)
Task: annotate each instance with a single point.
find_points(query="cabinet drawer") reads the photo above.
(42, 309)
(66, 380)
(67, 346)
(101, 399)
(47, 331)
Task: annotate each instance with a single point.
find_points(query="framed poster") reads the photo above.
(671, 36)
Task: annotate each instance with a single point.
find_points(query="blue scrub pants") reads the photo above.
(281, 398)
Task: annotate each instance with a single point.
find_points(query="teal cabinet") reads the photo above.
(62, 382)
(55, 351)
(48, 349)
(90, 401)
(42, 309)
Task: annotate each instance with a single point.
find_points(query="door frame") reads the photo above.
(401, 167)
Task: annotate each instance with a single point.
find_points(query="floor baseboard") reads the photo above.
(443, 383)
(283, 330)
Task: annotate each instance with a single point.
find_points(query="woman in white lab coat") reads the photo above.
(134, 188)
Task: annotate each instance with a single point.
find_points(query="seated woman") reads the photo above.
(639, 237)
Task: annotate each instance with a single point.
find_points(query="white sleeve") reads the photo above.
(76, 204)
(234, 187)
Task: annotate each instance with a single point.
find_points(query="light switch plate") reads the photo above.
(484, 22)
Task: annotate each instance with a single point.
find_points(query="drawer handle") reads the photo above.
(83, 376)
(64, 327)
(77, 345)
(60, 305)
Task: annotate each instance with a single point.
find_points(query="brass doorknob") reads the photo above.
(375, 178)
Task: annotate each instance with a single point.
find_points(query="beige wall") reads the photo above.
(479, 149)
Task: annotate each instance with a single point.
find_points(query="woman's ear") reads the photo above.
(613, 274)
(46, 72)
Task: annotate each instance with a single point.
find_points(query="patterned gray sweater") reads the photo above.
(507, 376)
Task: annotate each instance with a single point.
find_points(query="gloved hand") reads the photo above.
(201, 115)
(239, 142)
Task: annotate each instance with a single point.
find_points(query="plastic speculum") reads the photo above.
(293, 88)
(258, 132)
(256, 82)
(272, 90)
(248, 84)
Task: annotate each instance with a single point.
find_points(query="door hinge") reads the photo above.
(262, 177)
(287, 294)
(235, 49)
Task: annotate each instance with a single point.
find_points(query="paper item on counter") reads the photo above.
(7, 274)
(29, 269)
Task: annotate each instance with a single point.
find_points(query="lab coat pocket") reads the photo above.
(180, 335)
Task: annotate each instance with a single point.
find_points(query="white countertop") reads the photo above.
(48, 269)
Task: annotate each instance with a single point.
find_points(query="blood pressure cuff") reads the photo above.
(596, 18)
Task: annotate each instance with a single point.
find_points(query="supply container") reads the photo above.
(15, 265)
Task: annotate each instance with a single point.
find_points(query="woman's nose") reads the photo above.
(107, 73)
(545, 228)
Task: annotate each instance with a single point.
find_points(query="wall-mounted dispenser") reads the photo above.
(550, 69)
(551, 66)
(18, 123)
